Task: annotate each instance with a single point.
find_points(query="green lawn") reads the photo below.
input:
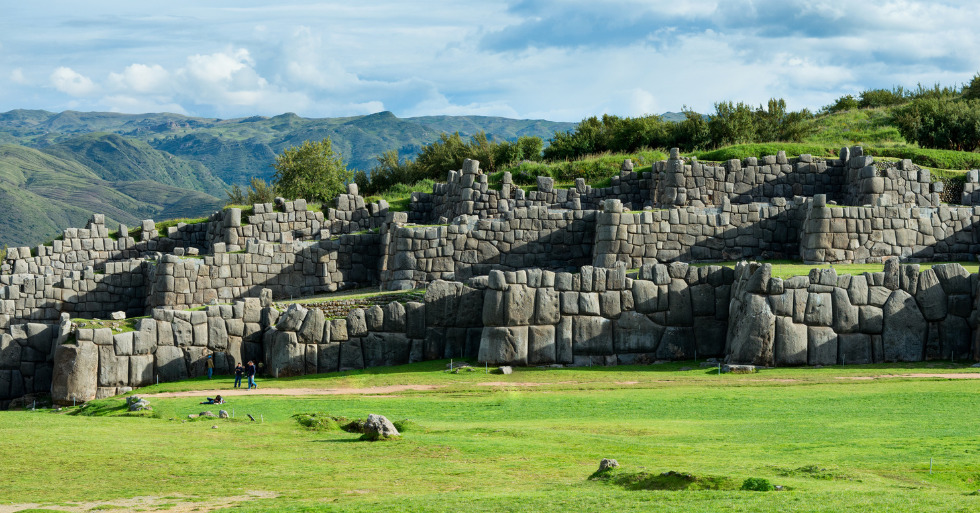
(790, 268)
(835, 444)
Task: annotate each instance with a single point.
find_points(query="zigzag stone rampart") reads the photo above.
(513, 277)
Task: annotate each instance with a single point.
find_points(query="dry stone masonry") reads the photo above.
(551, 276)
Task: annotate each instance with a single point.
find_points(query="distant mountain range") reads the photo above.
(58, 168)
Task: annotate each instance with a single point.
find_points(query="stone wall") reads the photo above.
(728, 232)
(520, 256)
(871, 234)
(291, 269)
(902, 314)
(526, 237)
(603, 317)
(171, 345)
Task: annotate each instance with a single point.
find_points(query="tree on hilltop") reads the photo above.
(312, 171)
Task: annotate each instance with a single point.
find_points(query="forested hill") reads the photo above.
(234, 150)
(56, 169)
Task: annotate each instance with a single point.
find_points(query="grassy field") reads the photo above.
(790, 268)
(524, 442)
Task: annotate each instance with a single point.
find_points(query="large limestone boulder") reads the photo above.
(636, 333)
(751, 331)
(930, 296)
(76, 373)
(284, 355)
(905, 328)
(385, 349)
(170, 363)
(541, 345)
(592, 336)
(292, 319)
(821, 346)
(504, 346)
(791, 342)
(311, 332)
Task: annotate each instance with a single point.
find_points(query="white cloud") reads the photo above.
(71, 82)
(139, 104)
(218, 67)
(140, 78)
(554, 59)
(17, 76)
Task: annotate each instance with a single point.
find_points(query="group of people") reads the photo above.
(248, 370)
(240, 371)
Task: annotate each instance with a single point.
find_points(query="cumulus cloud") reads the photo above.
(554, 59)
(17, 76)
(141, 78)
(71, 82)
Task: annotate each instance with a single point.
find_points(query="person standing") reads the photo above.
(209, 363)
(239, 372)
(250, 372)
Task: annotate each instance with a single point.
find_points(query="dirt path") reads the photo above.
(948, 375)
(294, 391)
(391, 389)
(169, 504)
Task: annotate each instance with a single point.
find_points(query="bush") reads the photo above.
(883, 97)
(844, 103)
(732, 123)
(258, 191)
(757, 484)
(527, 173)
(971, 91)
(941, 123)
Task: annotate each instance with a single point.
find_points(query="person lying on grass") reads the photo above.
(214, 400)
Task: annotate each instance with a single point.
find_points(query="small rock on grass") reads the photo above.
(607, 463)
(378, 427)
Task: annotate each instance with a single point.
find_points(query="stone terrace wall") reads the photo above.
(80, 293)
(903, 183)
(172, 344)
(292, 269)
(522, 238)
(602, 317)
(729, 232)
(467, 192)
(899, 315)
(745, 181)
(871, 234)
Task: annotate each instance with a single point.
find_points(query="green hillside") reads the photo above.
(116, 158)
(235, 150)
(42, 194)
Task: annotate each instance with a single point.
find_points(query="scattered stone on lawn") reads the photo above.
(136, 403)
(506, 369)
(738, 369)
(457, 365)
(222, 414)
(378, 427)
(117, 316)
(607, 463)
(208, 413)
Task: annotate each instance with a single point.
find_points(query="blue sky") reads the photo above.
(557, 60)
